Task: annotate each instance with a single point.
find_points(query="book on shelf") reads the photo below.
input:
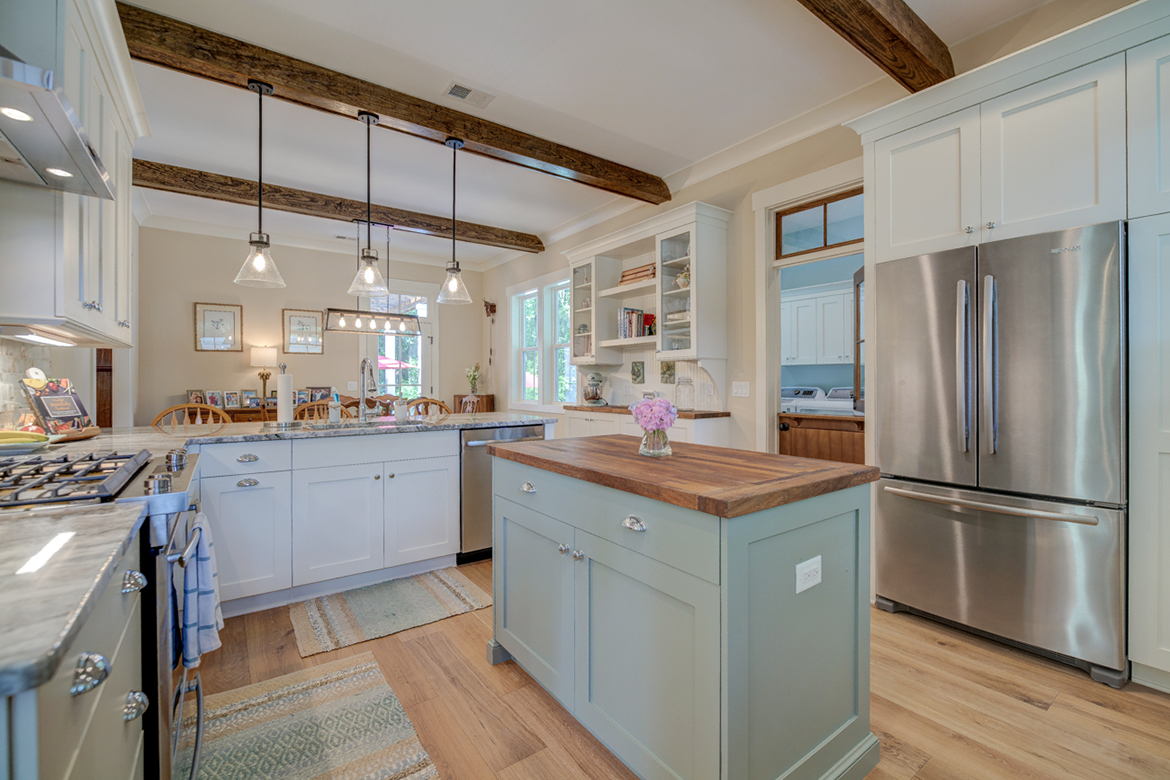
(634, 323)
(638, 274)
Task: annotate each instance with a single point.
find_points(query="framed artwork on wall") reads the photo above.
(638, 372)
(304, 332)
(219, 327)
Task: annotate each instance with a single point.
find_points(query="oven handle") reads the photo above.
(998, 509)
(177, 719)
(184, 557)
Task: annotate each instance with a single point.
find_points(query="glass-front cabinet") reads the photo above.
(675, 263)
(582, 298)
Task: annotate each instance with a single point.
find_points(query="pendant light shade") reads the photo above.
(453, 289)
(369, 282)
(258, 269)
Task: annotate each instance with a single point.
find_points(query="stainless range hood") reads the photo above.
(42, 142)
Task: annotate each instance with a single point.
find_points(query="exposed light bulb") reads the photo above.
(258, 262)
(452, 285)
(368, 275)
(387, 325)
(357, 322)
(341, 322)
(373, 324)
(401, 325)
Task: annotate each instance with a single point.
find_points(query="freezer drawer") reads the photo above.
(1038, 572)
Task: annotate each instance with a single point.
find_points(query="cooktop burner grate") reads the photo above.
(46, 479)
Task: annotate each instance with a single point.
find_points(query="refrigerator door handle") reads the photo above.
(962, 364)
(989, 371)
(988, 507)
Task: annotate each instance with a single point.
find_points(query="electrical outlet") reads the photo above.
(808, 573)
(741, 389)
(351, 387)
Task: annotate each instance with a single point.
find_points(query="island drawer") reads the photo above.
(682, 538)
(225, 460)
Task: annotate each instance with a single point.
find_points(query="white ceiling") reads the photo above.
(656, 84)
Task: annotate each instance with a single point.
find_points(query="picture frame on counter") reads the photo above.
(302, 397)
(215, 398)
(319, 393)
(303, 332)
(231, 399)
(248, 399)
(219, 327)
(196, 396)
(270, 402)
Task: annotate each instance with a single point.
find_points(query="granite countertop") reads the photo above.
(42, 611)
(695, 415)
(713, 480)
(158, 442)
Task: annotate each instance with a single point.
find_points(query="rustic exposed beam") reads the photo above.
(183, 47)
(186, 181)
(892, 35)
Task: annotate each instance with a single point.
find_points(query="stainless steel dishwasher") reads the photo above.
(476, 523)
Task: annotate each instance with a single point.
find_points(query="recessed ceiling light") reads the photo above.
(59, 172)
(15, 113)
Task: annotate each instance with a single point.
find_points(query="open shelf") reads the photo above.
(676, 323)
(631, 290)
(678, 262)
(638, 341)
(582, 311)
(676, 291)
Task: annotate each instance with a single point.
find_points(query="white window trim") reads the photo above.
(369, 345)
(543, 285)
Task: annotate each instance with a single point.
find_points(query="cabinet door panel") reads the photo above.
(337, 522)
(252, 530)
(804, 320)
(647, 661)
(1148, 84)
(422, 509)
(830, 329)
(1054, 153)
(533, 610)
(927, 182)
(787, 334)
(604, 424)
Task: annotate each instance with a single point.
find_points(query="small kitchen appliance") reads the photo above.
(592, 391)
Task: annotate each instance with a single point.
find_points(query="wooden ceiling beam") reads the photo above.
(172, 44)
(201, 184)
(892, 35)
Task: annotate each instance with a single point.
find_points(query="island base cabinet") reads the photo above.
(647, 661)
(533, 604)
(252, 531)
(422, 509)
(336, 522)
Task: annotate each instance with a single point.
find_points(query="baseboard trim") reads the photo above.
(1150, 677)
(473, 556)
(283, 598)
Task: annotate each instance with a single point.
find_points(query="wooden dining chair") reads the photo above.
(427, 406)
(187, 415)
(319, 410)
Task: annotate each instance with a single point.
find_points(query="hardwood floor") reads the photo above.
(946, 705)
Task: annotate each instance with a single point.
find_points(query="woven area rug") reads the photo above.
(358, 615)
(337, 720)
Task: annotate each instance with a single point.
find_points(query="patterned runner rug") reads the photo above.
(337, 720)
(361, 614)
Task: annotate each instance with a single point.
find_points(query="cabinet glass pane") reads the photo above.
(845, 220)
(802, 231)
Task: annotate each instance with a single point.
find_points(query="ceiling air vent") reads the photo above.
(475, 97)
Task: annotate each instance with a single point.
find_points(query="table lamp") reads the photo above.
(262, 357)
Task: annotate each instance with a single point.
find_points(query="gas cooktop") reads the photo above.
(49, 479)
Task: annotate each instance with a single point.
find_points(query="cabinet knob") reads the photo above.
(783, 426)
(136, 705)
(969, 229)
(528, 487)
(389, 476)
(247, 458)
(991, 226)
(249, 482)
(133, 581)
(578, 555)
(377, 476)
(92, 670)
(634, 523)
(562, 548)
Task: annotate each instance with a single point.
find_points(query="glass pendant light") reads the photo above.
(369, 282)
(259, 270)
(453, 289)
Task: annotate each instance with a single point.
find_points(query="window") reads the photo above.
(402, 362)
(831, 222)
(542, 336)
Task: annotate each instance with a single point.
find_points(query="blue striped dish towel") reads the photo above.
(202, 619)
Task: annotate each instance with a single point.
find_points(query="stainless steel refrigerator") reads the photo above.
(1000, 417)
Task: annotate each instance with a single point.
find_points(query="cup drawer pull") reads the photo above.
(133, 581)
(248, 458)
(634, 523)
(136, 705)
(528, 487)
(92, 670)
(249, 482)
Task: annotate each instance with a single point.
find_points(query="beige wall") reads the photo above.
(178, 269)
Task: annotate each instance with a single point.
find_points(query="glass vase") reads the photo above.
(655, 444)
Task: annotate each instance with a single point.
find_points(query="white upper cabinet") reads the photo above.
(831, 334)
(1054, 153)
(1148, 83)
(927, 183)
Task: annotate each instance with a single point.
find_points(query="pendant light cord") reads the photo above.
(368, 184)
(454, 163)
(260, 166)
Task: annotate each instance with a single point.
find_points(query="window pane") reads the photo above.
(566, 377)
(564, 315)
(400, 366)
(529, 313)
(845, 220)
(802, 231)
(530, 361)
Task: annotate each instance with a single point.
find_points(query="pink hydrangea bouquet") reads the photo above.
(655, 414)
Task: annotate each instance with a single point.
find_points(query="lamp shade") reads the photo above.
(263, 356)
(369, 282)
(453, 289)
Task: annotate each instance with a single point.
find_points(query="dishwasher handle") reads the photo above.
(486, 442)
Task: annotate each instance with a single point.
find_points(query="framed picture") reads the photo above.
(248, 399)
(304, 332)
(196, 397)
(270, 402)
(215, 398)
(667, 372)
(319, 393)
(219, 327)
(272, 393)
(231, 399)
(638, 372)
(302, 397)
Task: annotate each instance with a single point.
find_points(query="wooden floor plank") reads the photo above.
(479, 573)
(227, 668)
(407, 680)
(471, 636)
(545, 765)
(271, 633)
(452, 751)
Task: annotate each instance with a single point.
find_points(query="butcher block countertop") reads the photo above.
(696, 415)
(712, 480)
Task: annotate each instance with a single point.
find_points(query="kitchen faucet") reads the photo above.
(366, 383)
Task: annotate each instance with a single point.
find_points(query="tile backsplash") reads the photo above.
(619, 390)
(15, 359)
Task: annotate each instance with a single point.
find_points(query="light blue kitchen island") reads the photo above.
(705, 615)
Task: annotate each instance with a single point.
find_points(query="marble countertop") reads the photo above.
(42, 611)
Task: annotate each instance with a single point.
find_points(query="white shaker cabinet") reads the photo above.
(251, 526)
(798, 332)
(833, 338)
(337, 522)
(1148, 86)
(927, 181)
(1053, 154)
(422, 509)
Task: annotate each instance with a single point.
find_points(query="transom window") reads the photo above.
(822, 224)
